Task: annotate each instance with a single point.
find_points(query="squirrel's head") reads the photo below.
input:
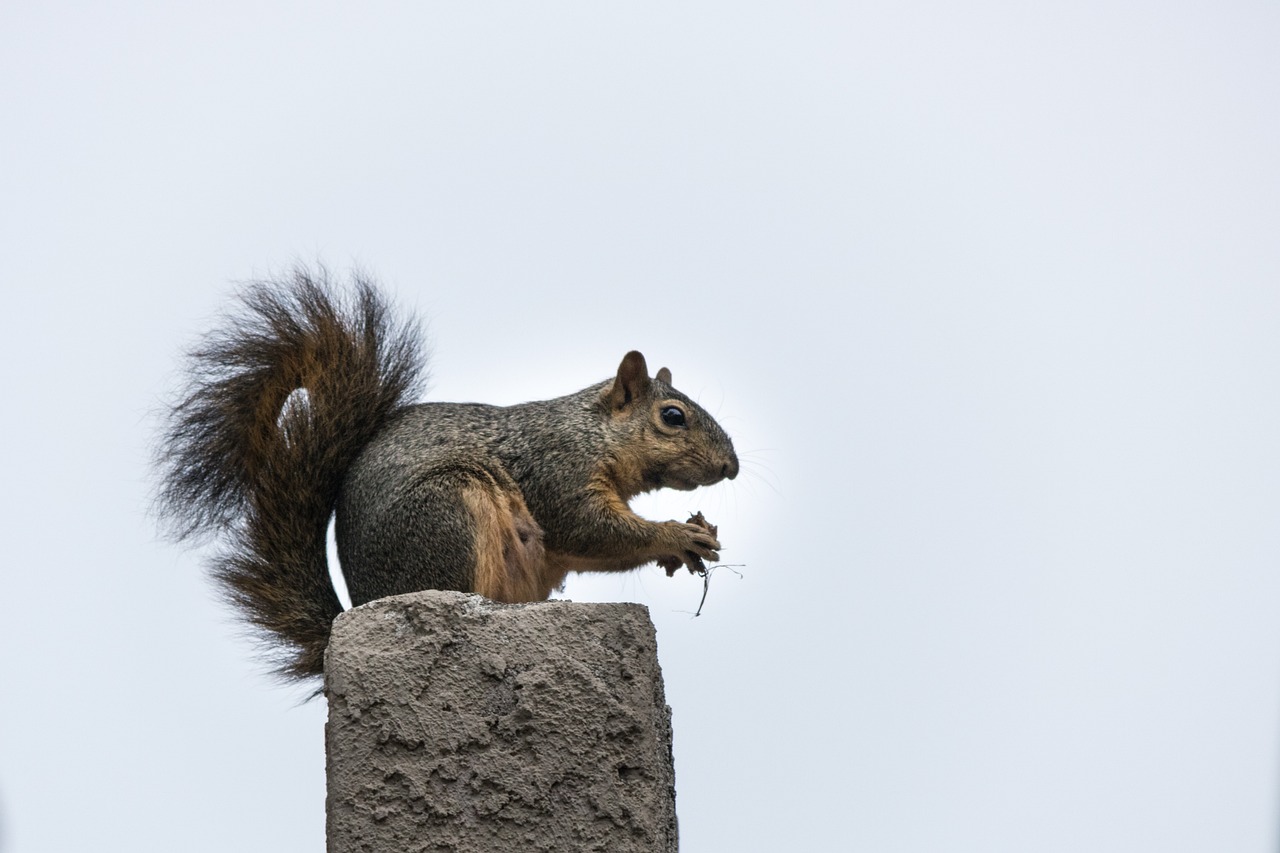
(667, 440)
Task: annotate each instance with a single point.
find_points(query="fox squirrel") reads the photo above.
(501, 501)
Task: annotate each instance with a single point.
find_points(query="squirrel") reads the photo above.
(296, 411)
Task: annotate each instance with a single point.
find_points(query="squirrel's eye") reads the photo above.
(672, 416)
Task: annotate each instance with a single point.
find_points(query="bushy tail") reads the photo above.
(249, 458)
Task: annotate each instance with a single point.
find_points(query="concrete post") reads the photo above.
(458, 724)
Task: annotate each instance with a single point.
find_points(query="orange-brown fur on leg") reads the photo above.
(510, 562)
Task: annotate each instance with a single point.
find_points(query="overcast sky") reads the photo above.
(987, 294)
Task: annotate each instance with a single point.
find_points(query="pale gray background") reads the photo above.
(987, 294)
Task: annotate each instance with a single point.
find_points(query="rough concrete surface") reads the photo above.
(458, 724)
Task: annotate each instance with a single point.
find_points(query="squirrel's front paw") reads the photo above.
(692, 541)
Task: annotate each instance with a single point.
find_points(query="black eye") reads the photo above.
(672, 416)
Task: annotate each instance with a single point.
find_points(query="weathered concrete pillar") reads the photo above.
(463, 725)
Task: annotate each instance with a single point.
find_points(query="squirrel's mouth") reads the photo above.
(687, 483)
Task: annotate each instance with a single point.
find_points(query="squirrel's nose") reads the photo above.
(730, 468)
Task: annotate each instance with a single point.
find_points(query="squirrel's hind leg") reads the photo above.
(460, 526)
(510, 561)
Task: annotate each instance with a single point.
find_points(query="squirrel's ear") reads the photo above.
(663, 375)
(632, 380)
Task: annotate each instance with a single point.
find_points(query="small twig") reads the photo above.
(694, 563)
(706, 587)
(706, 571)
